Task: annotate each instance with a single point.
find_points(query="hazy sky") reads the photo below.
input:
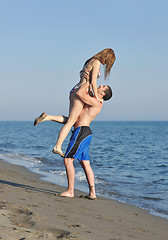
(44, 44)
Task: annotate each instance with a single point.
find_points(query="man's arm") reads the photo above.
(84, 97)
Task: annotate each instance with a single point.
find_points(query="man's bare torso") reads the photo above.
(88, 114)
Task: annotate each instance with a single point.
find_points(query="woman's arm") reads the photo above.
(95, 70)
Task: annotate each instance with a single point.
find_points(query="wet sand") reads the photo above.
(31, 209)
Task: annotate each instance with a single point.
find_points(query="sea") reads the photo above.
(129, 159)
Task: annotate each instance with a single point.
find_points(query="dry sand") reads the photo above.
(31, 209)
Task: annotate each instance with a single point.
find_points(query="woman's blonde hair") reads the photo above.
(107, 58)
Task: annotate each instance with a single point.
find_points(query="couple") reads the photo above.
(86, 101)
(78, 147)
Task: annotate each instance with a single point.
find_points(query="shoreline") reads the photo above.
(47, 177)
(30, 208)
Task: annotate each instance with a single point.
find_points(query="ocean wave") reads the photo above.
(151, 198)
(8, 145)
(16, 156)
(159, 213)
(79, 176)
(59, 173)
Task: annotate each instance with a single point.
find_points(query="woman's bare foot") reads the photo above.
(67, 194)
(58, 151)
(40, 119)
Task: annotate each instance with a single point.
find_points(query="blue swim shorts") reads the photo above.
(78, 147)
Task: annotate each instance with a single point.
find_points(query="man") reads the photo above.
(78, 147)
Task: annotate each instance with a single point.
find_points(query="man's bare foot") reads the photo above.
(67, 194)
(58, 151)
(40, 119)
(91, 197)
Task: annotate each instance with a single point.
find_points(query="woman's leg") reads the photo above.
(76, 106)
(59, 119)
(45, 117)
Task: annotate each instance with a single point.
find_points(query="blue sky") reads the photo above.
(44, 45)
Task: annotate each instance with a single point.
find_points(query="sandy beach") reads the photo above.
(32, 209)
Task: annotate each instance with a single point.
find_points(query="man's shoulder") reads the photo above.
(97, 103)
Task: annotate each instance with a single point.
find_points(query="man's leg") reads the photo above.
(70, 171)
(90, 178)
